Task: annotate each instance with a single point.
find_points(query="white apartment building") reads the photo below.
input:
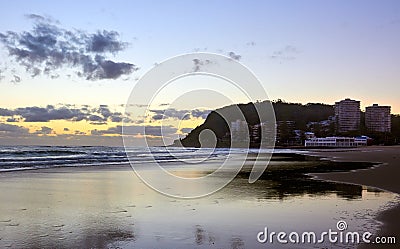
(378, 118)
(239, 131)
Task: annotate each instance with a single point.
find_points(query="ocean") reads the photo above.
(39, 157)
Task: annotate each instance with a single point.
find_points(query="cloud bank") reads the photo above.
(179, 114)
(95, 115)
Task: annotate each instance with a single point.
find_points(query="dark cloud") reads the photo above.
(44, 131)
(41, 114)
(234, 56)
(6, 112)
(95, 118)
(179, 114)
(106, 41)
(158, 117)
(108, 115)
(107, 69)
(48, 47)
(8, 129)
(12, 120)
(171, 113)
(117, 119)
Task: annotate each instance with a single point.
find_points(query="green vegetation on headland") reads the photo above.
(293, 121)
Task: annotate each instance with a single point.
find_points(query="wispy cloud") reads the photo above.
(251, 43)
(16, 79)
(287, 53)
(234, 56)
(48, 47)
(199, 63)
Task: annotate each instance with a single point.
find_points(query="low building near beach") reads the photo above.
(337, 142)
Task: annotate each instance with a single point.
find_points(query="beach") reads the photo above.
(384, 176)
(110, 207)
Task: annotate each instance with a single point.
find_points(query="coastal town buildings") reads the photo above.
(336, 131)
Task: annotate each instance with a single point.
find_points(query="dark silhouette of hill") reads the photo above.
(299, 113)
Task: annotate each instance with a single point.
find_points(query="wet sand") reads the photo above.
(384, 176)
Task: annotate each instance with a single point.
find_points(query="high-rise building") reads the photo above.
(347, 114)
(377, 118)
(239, 131)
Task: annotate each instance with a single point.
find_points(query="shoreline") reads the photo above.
(382, 176)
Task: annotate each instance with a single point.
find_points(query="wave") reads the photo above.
(37, 157)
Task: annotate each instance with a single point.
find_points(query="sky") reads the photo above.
(67, 68)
